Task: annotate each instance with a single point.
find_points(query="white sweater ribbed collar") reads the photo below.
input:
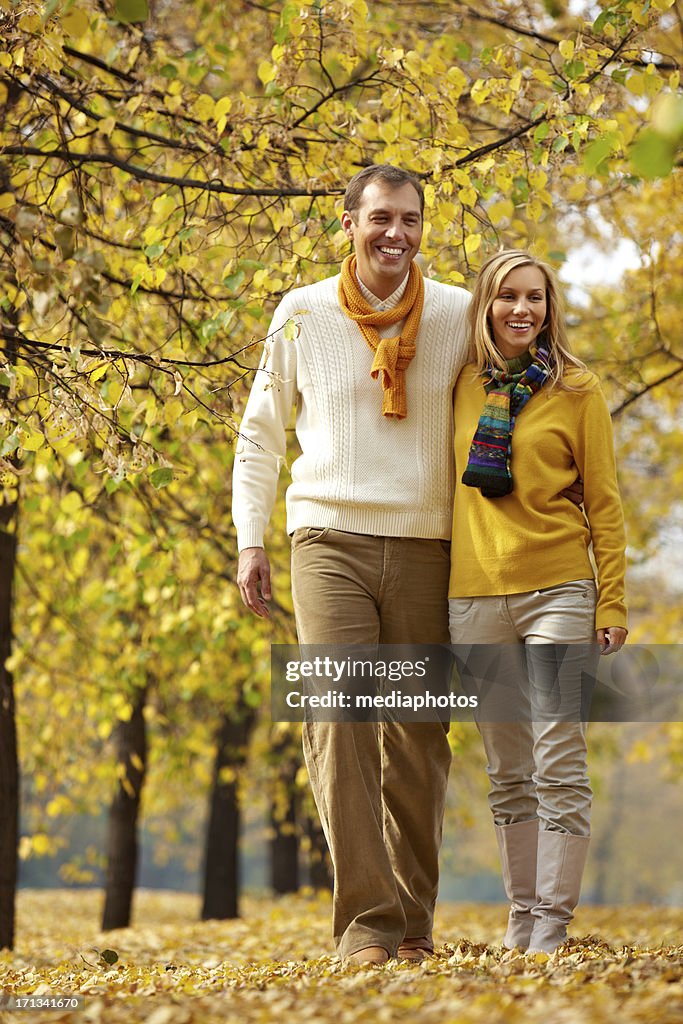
(391, 300)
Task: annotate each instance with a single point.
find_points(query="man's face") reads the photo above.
(386, 231)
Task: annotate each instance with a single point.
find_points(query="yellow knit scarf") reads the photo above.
(392, 355)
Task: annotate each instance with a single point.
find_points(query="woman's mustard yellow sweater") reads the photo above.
(535, 538)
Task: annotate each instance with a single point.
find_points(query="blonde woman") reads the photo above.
(530, 416)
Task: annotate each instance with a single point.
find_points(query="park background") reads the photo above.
(167, 172)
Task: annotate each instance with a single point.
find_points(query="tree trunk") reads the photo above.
(604, 849)
(221, 862)
(122, 840)
(9, 756)
(9, 761)
(284, 846)
(319, 864)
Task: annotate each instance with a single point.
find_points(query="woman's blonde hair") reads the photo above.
(553, 337)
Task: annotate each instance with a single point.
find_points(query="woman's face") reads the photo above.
(517, 313)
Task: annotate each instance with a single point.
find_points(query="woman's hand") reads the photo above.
(611, 639)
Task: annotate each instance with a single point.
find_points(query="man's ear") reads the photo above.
(347, 224)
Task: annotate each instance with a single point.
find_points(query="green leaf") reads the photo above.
(161, 477)
(520, 191)
(601, 21)
(10, 444)
(560, 143)
(110, 956)
(652, 155)
(289, 12)
(596, 153)
(131, 11)
(152, 252)
(234, 281)
(252, 697)
(541, 131)
(573, 69)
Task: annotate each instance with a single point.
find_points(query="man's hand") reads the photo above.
(574, 492)
(253, 579)
(611, 639)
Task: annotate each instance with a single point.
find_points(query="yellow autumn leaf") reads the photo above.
(500, 210)
(70, 503)
(537, 178)
(75, 23)
(33, 442)
(106, 126)
(266, 72)
(472, 243)
(164, 205)
(204, 107)
(222, 109)
(99, 371)
(302, 247)
(40, 844)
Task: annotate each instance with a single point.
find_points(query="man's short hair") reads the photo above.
(396, 177)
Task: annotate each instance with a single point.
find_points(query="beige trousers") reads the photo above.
(536, 768)
(380, 788)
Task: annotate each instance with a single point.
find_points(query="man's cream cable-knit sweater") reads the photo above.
(359, 471)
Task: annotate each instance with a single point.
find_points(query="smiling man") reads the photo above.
(371, 374)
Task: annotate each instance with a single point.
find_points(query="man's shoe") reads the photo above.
(415, 950)
(369, 955)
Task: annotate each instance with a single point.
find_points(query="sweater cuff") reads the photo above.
(250, 535)
(613, 614)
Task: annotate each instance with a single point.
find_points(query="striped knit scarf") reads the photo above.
(507, 392)
(392, 355)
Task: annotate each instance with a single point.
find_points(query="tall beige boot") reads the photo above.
(561, 860)
(518, 844)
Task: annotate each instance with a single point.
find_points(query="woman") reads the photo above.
(529, 416)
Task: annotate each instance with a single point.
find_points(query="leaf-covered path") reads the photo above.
(275, 964)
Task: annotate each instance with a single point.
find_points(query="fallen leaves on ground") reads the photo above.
(276, 964)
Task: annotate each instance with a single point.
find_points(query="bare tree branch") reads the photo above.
(142, 173)
(643, 391)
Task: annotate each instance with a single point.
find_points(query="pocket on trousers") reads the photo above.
(459, 606)
(308, 535)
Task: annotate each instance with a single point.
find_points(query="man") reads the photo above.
(369, 508)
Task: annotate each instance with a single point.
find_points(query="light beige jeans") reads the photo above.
(536, 768)
(380, 788)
